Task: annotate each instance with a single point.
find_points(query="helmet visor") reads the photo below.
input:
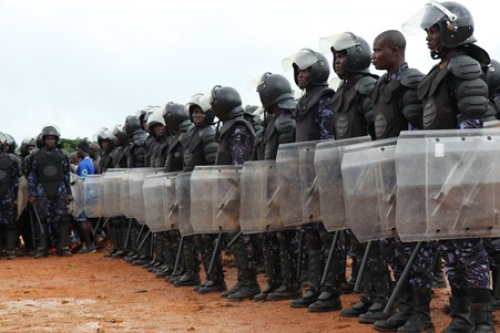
(430, 14)
(303, 59)
(338, 42)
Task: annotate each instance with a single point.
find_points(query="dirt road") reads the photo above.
(88, 293)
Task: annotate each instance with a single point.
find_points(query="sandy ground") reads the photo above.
(89, 293)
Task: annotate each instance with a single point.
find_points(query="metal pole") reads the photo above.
(362, 267)
(214, 254)
(402, 279)
(330, 257)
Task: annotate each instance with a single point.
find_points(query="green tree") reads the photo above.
(70, 144)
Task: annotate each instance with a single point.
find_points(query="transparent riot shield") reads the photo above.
(327, 160)
(153, 201)
(125, 202)
(369, 176)
(260, 211)
(92, 196)
(215, 199)
(183, 197)
(170, 204)
(22, 195)
(298, 185)
(136, 179)
(76, 206)
(112, 181)
(447, 184)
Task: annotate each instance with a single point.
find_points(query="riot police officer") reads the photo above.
(279, 247)
(448, 103)
(10, 171)
(50, 192)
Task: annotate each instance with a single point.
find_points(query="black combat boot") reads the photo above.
(11, 238)
(247, 272)
(290, 288)
(366, 300)
(191, 276)
(460, 315)
(315, 270)
(381, 282)
(329, 298)
(406, 307)
(272, 269)
(62, 241)
(214, 281)
(420, 320)
(482, 316)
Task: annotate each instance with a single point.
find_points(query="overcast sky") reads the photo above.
(83, 65)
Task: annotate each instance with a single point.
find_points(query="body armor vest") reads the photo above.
(433, 91)
(306, 113)
(389, 119)
(192, 147)
(6, 175)
(348, 116)
(50, 171)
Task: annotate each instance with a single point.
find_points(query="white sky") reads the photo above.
(83, 65)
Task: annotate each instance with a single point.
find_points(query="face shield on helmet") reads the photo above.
(51, 130)
(10, 143)
(308, 59)
(202, 102)
(119, 133)
(27, 144)
(454, 20)
(3, 140)
(358, 51)
(175, 116)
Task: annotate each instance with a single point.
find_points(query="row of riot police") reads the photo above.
(398, 167)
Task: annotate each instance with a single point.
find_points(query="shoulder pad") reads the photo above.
(327, 91)
(365, 84)
(285, 123)
(411, 78)
(207, 134)
(465, 67)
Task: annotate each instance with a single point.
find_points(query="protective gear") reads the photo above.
(460, 315)
(51, 130)
(319, 71)
(176, 116)
(199, 147)
(191, 276)
(203, 103)
(389, 120)
(351, 115)
(10, 142)
(226, 102)
(25, 144)
(50, 171)
(132, 126)
(493, 76)
(358, 51)
(275, 89)
(406, 305)
(3, 139)
(420, 321)
(6, 176)
(454, 20)
(280, 129)
(156, 117)
(472, 95)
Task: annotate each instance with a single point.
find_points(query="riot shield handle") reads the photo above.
(178, 255)
(330, 257)
(214, 254)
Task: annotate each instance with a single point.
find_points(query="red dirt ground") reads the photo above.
(88, 293)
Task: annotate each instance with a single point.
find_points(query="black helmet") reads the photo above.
(27, 142)
(175, 116)
(493, 76)
(119, 133)
(226, 102)
(155, 118)
(275, 89)
(455, 22)
(132, 126)
(358, 51)
(200, 101)
(105, 134)
(51, 130)
(11, 143)
(3, 140)
(307, 58)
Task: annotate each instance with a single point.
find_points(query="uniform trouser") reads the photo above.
(467, 263)
(271, 252)
(206, 246)
(336, 268)
(54, 217)
(315, 255)
(397, 254)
